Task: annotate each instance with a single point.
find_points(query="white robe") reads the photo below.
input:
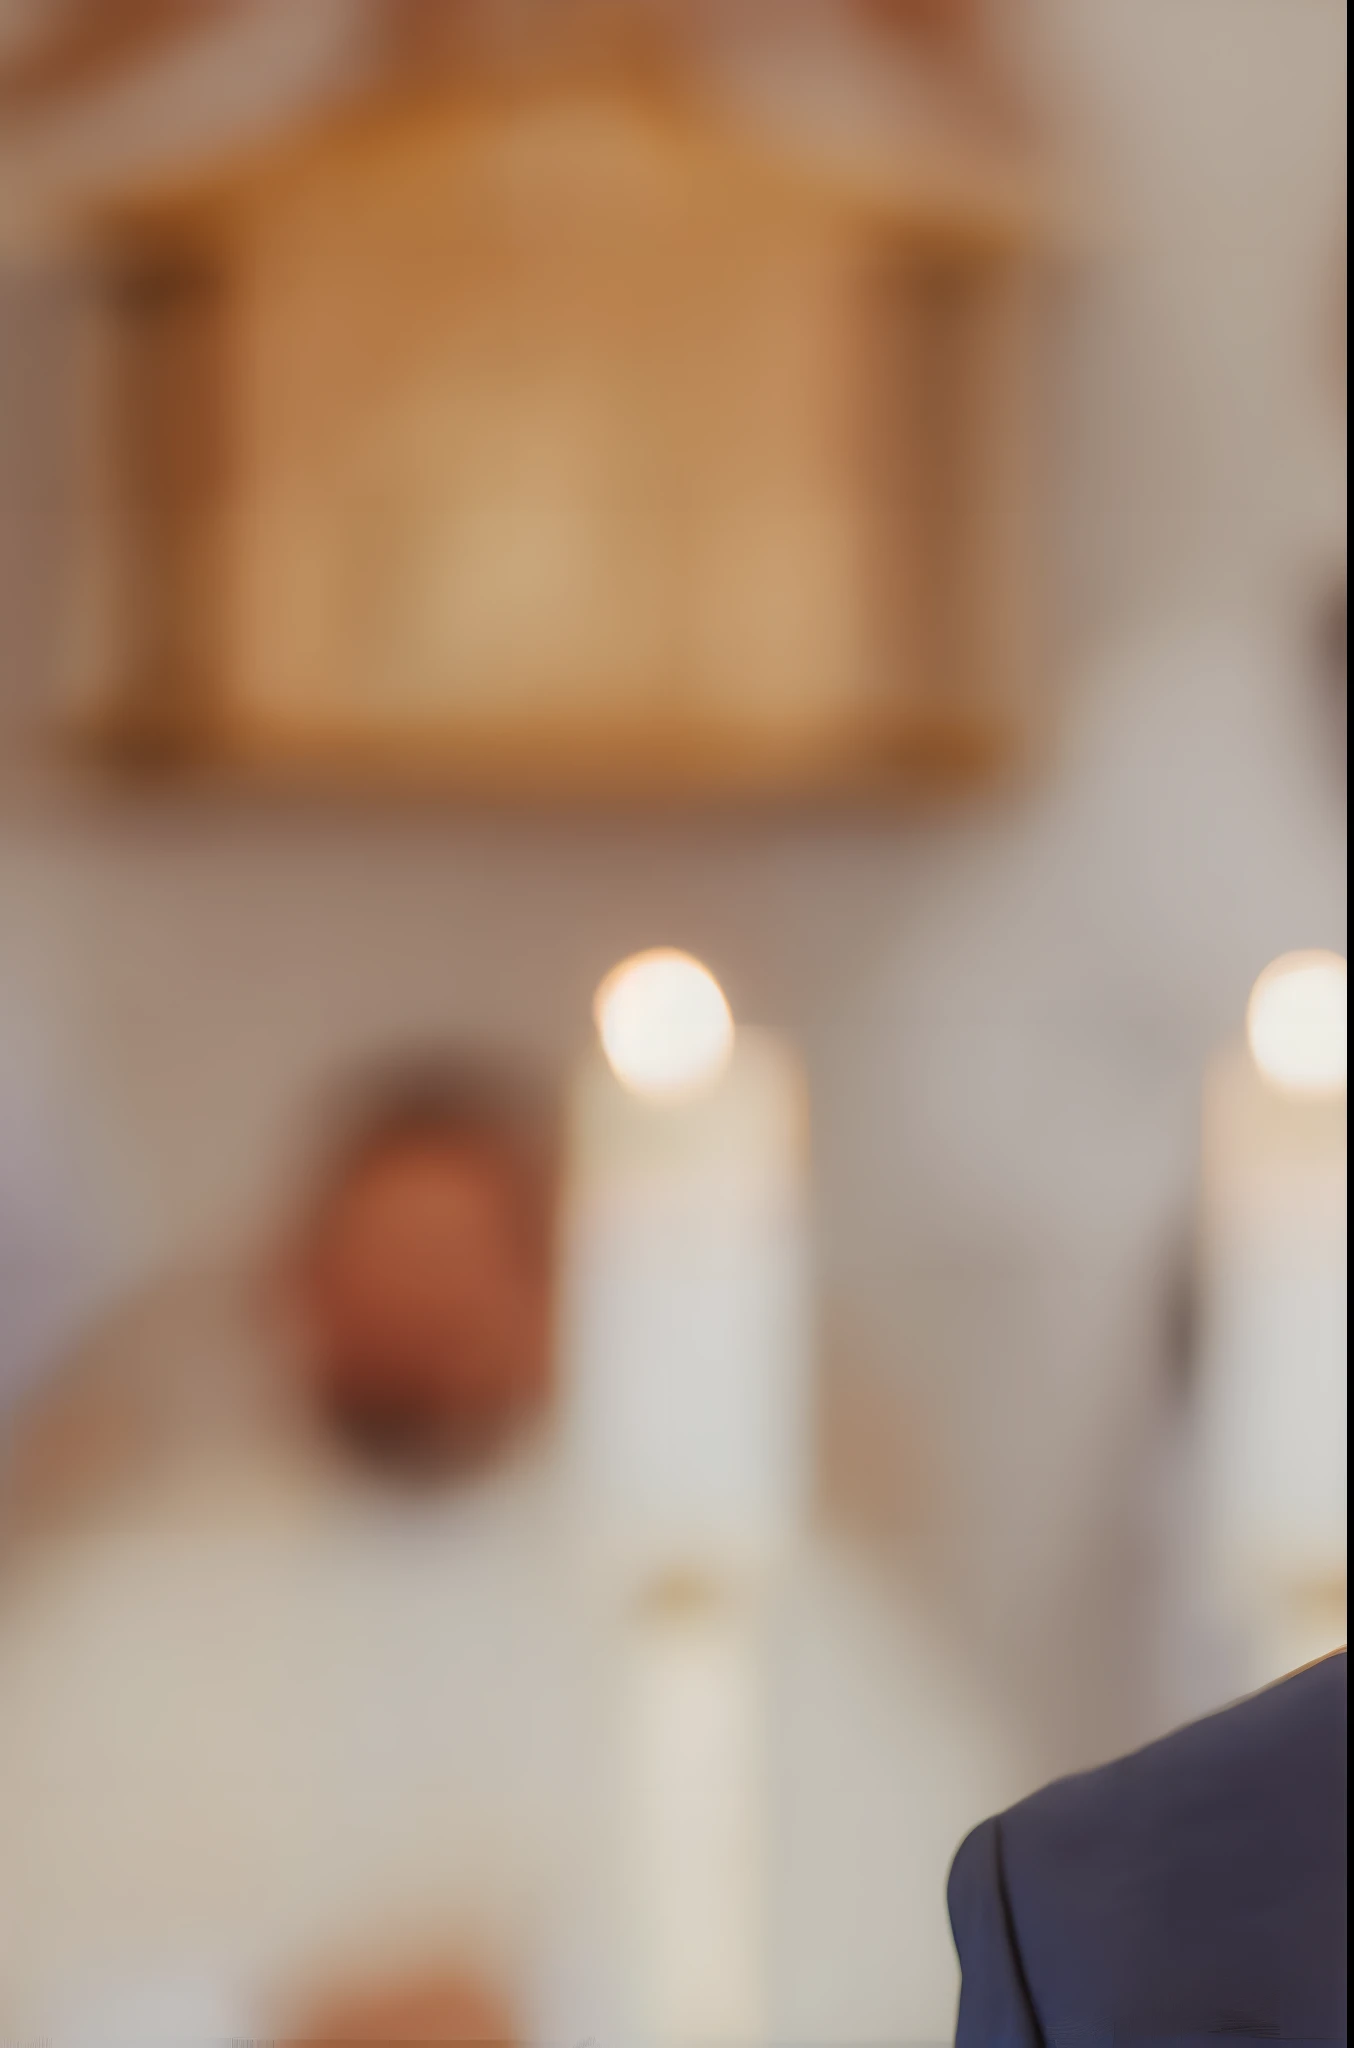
(269, 1725)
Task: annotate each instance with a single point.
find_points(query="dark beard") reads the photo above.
(411, 1440)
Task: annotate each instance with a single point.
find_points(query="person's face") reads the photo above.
(424, 1298)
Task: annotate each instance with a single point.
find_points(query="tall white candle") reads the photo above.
(686, 1349)
(1275, 1299)
(686, 1303)
(694, 1762)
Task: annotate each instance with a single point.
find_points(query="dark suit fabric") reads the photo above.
(1191, 1894)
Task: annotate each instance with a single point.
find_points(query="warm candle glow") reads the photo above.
(665, 1025)
(1297, 1024)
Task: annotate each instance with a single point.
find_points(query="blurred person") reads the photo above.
(403, 1323)
(278, 1594)
(1196, 1889)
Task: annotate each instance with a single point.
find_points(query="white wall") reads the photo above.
(1004, 1013)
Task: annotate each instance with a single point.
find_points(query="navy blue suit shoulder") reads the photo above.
(996, 2009)
(1190, 1892)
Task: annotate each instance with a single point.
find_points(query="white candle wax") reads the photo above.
(693, 1752)
(1274, 1368)
(686, 1313)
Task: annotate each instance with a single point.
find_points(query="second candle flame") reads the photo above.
(665, 1024)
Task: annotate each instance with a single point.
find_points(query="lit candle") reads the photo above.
(686, 1312)
(1275, 1316)
(686, 1350)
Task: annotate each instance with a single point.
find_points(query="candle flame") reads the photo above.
(665, 1024)
(1297, 1024)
